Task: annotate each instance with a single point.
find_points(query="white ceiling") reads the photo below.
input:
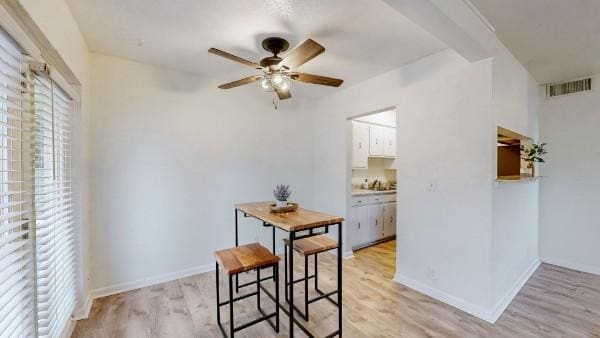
(555, 40)
(363, 38)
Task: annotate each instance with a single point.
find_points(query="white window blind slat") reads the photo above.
(37, 236)
(16, 250)
(55, 241)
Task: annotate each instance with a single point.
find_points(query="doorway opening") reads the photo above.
(372, 218)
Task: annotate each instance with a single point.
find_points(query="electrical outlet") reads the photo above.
(432, 273)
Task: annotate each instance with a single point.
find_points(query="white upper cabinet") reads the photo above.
(371, 140)
(360, 145)
(376, 140)
(389, 142)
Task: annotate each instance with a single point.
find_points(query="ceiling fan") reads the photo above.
(276, 71)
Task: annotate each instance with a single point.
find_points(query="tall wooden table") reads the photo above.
(292, 223)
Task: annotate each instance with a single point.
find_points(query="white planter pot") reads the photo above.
(281, 204)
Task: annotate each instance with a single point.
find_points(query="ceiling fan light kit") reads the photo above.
(278, 73)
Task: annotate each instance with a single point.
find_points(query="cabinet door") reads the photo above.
(360, 145)
(375, 222)
(359, 225)
(389, 142)
(375, 140)
(389, 223)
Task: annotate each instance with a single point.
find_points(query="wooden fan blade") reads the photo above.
(317, 79)
(234, 58)
(283, 94)
(302, 54)
(240, 82)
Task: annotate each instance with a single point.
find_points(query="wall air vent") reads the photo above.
(559, 89)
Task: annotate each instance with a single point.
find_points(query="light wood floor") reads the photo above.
(556, 302)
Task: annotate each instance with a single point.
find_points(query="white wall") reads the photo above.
(376, 170)
(514, 104)
(516, 213)
(385, 118)
(444, 122)
(569, 199)
(171, 156)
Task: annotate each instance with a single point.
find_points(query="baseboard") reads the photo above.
(84, 311)
(490, 315)
(594, 270)
(508, 297)
(349, 254)
(444, 297)
(67, 330)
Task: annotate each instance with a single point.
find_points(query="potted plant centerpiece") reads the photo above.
(282, 192)
(533, 154)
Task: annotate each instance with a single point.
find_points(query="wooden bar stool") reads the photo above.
(307, 247)
(241, 259)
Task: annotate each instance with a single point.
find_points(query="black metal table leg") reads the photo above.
(291, 268)
(218, 296)
(306, 288)
(316, 272)
(285, 272)
(339, 278)
(237, 279)
(258, 289)
(274, 253)
(276, 267)
(231, 327)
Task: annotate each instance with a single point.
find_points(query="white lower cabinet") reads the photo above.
(389, 223)
(360, 225)
(372, 218)
(375, 222)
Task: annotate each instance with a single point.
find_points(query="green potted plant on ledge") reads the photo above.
(533, 154)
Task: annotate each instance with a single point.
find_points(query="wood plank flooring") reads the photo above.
(556, 302)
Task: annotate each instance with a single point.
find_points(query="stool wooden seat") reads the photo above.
(241, 259)
(313, 245)
(308, 246)
(245, 258)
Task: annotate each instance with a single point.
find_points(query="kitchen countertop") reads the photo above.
(364, 192)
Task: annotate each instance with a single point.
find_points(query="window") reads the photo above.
(16, 237)
(37, 240)
(55, 248)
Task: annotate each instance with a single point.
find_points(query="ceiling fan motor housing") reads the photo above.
(270, 61)
(275, 45)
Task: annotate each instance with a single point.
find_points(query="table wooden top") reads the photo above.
(301, 219)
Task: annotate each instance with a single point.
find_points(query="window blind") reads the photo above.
(17, 284)
(55, 238)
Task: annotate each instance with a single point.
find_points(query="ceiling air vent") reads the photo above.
(559, 89)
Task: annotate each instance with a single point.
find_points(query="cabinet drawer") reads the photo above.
(374, 199)
(360, 200)
(389, 198)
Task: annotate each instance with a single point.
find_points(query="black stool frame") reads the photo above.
(305, 279)
(292, 236)
(267, 317)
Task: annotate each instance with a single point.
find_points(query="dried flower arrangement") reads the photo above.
(282, 192)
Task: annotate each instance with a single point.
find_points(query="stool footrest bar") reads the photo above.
(252, 322)
(254, 282)
(239, 298)
(324, 295)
